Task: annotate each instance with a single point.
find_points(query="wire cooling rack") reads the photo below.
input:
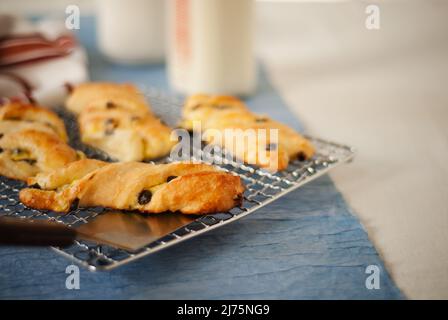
(262, 188)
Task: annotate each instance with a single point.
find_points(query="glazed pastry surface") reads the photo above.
(116, 118)
(105, 95)
(32, 117)
(185, 187)
(218, 114)
(26, 153)
(65, 175)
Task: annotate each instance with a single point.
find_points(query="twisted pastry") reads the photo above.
(218, 114)
(184, 187)
(116, 119)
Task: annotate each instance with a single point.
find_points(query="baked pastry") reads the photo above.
(32, 140)
(65, 175)
(124, 135)
(115, 118)
(25, 153)
(107, 95)
(11, 126)
(218, 114)
(16, 116)
(185, 187)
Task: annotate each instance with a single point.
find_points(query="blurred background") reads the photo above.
(382, 90)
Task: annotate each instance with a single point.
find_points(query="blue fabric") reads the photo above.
(308, 245)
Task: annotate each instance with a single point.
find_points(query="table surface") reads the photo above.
(307, 245)
(383, 91)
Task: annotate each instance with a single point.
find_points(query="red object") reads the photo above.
(21, 49)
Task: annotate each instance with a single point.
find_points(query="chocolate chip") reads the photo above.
(196, 107)
(221, 106)
(144, 197)
(1, 135)
(34, 186)
(16, 151)
(238, 199)
(30, 161)
(110, 125)
(74, 204)
(170, 178)
(69, 87)
(110, 105)
(1, 150)
(301, 156)
(271, 147)
(135, 118)
(259, 120)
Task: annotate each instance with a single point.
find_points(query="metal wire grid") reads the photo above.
(261, 188)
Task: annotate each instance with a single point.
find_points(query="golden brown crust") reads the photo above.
(107, 95)
(124, 135)
(11, 126)
(42, 199)
(115, 118)
(66, 175)
(218, 114)
(205, 192)
(185, 187)
(28, 152)
(40, 117)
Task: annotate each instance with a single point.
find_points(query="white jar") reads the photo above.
(210, 46)
(131, 31)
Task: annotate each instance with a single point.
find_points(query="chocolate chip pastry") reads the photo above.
(16, 116)
(116, 119)
(217, 114)
(185, 187)
(32, 140)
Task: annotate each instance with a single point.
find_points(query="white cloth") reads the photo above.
(46, 77)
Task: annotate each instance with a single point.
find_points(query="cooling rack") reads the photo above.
(262, 188)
